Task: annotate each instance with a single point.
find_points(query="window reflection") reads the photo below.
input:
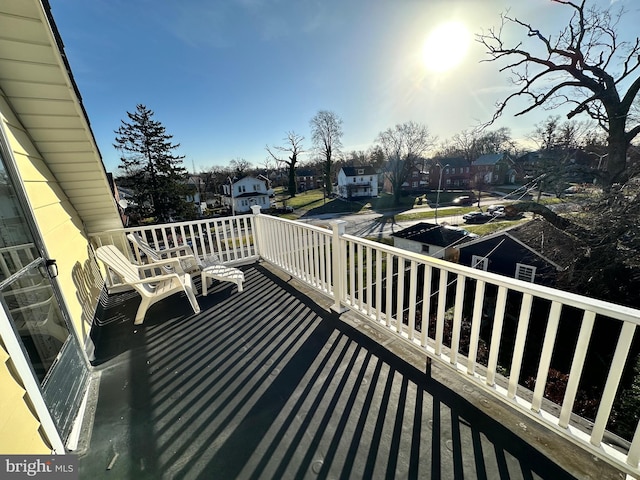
(28, 297)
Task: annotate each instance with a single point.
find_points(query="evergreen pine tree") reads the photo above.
(156, 173)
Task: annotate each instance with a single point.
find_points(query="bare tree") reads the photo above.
(291, 150)
(403, 146)
(465, 144)
(240, 166)
(326, 135)
(586, 66)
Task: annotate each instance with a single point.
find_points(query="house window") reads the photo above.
(526, 273)
(425, 249)
(467, 169)
(446, 171)
(256, 187)
(354, 179)
(371, 179)
(481, 263)
(361, 171)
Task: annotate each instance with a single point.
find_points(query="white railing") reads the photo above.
(303, 251)
(230, 238)
(480, 324)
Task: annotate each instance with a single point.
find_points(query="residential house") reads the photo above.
(529, 165)
(417, 180)
(450, 174)
(494, 169)
(534, 252)
(242, 194)
(565, 165)
(196, 187)
(306, 179)
(357, 182)
(432, 239)
(54, 193)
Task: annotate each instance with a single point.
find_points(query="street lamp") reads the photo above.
(439, 187)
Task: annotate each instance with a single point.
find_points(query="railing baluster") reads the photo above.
(496, 335)
(156, 243)
(426, 305)
(352, 275)
(457, 318)
(218, 228)
(295, 249)
(400, 295)
(317, 250)
(577, 365)
(521, 340)
(235, 232)
(545, 356)
(413, 280)
(166, 241)
(304, 250)
(378, 263)
(292, 252)
(388, 306)
(194, 243)
(360, 277)
(369, 281)
(327, 265)
(613, 381)
(476, 321)
(442, 308)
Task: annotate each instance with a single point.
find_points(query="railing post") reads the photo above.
(338, 265)
(255, 209)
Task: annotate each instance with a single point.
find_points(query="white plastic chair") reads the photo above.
(151, 289)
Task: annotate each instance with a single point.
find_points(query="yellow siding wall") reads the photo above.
(59, 224)
(20, 431)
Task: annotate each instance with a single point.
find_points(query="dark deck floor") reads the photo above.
(267, 384)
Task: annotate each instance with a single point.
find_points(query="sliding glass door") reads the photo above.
(29, 295)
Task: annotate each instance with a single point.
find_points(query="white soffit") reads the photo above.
(42, 94)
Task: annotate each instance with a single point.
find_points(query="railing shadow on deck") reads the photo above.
(266, 384)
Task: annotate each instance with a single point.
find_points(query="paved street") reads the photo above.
(376, 224)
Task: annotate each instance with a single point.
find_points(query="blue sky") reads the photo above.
(227, 77)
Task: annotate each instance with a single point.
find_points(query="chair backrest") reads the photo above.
(136, 239)
(116, 261)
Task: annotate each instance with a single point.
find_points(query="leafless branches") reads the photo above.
(586, 66)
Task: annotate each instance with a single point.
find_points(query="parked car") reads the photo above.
(493, 208)
(463, 200)
(498, 213)
(477, 217)
(285, 209)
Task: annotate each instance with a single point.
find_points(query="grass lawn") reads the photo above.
(494, 226)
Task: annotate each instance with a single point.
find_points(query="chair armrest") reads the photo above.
(178, 248)
(157, 278)
(173, 262)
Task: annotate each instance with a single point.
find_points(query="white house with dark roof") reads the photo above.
(357, 182)
(439, 241)
(242, 194)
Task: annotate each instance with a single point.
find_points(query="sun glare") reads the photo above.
(446, 46)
